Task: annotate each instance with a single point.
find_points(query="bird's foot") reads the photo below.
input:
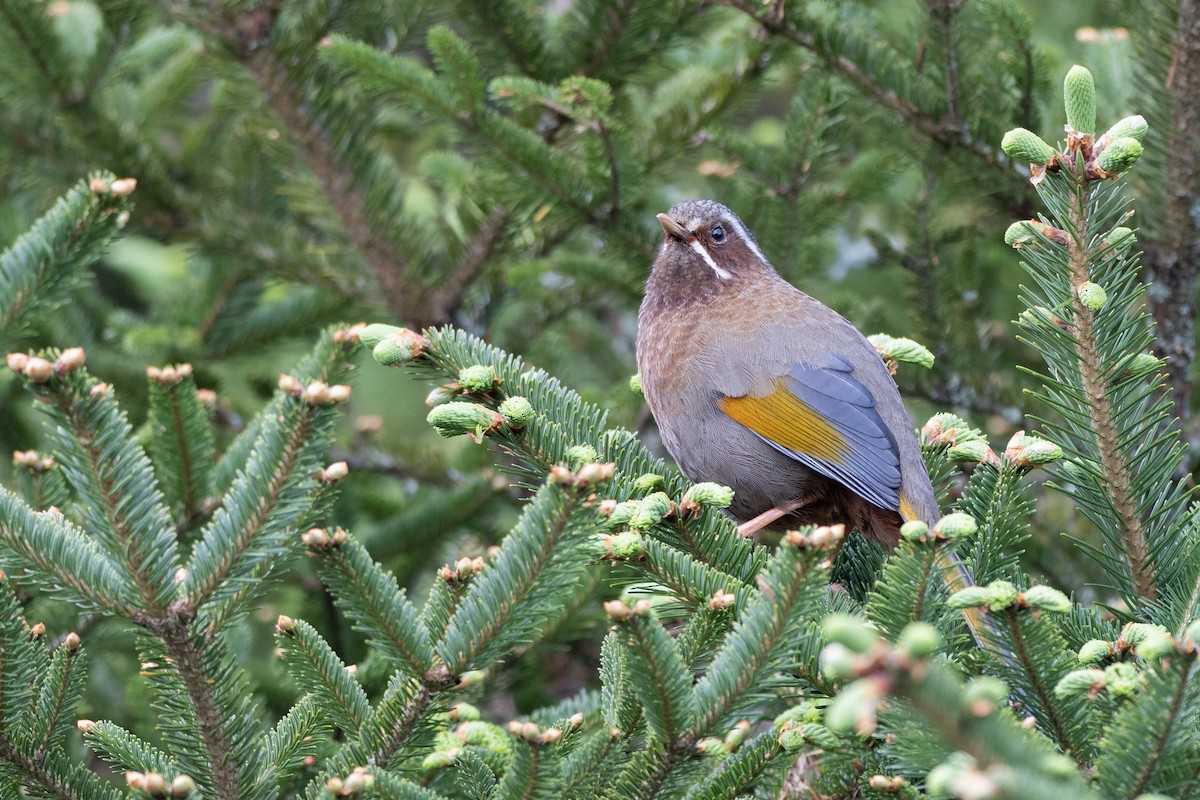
(752, 526)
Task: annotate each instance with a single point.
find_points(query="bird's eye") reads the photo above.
(717, 234)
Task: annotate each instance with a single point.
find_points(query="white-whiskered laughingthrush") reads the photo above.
(758, 386)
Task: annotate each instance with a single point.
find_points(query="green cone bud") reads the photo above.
(485, 735)
(1095, 651)
(650, 482)
(517, 412)
(439, 759)
(399, 347)
(837, 661)
(810, 735)
(1060, 766)
(1121, 237)
(941, 779)
(1001, 595)
(650, 510)
(478, 379)
(376, 333)
(947, 428)
(1092, 295)
(458, 419)
(805, 711)
(970, 597)
(1135, 633)
(955, 525)
(580, 454)
(709, 494)
(1157, 644)
(1024, 145)
(919, 640)
(1152, 797)
(464, 712)
(973, 452)
(1019, 233)
(1134, 127)
(1080, 681)
(1079, 97)
(844, 713)
(622, 514)
(903, 350)
(1045, 598)
(985, 687)
(914, 530)
(1040, 452)
(1120, 155)
(850, 631)
(1192, 633)
(635, 384)
(1122, 679)
(626, 545)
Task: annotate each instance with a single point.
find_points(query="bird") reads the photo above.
(760, 387)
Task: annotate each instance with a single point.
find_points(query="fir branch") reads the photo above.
(188, 659)
(664, 685)
(320, 673)
(125, 751)
(1116, 471)
(57, 248)
(122, 503)
(376, 605)
(1041, 685)
(60, 690)
(70, 784)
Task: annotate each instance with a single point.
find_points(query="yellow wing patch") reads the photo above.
(788, 421)
(907, 512)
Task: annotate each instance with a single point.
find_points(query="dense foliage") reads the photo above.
(558, 613)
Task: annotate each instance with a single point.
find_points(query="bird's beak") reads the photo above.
(673, 228)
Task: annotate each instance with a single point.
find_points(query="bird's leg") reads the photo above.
(752, 526)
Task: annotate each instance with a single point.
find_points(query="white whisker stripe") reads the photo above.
(699, 248)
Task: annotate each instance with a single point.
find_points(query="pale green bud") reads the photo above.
(709, 494)
(1018, 233)
(919, 640)
(1046, 598)
(1134, 127)
(986, 689)
(1143, 364)
(850, 631)
(463, 712)
(941, 779)
(1122, 679)
(477, 379)
(635, 383)
(650, 482)
(622, 514)
(947, 428)
(1080, 681)
(486, 735)
(1079, 98)
(955, 525)
(580, 454)
(457, 419)
(1024, 145)
(914, 530)
(1120, 155)
(810, 734)
(439, 759)
(853, 703)
(805, 711)
(375, 333)
(970, 597)
(517, 412)
(837, 661)
(1095, 651)
(650, 510)
(1192, 632)
(1121, 237)
(1092, 295)
(1000, 595)
(902, 350)
(1060, 766)
(1156, 644)
(398, 348)
(626, 544)
(972, 452)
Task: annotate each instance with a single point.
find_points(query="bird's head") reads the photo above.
(705, 244)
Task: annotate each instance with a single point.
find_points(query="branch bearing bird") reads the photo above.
(760, 387)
